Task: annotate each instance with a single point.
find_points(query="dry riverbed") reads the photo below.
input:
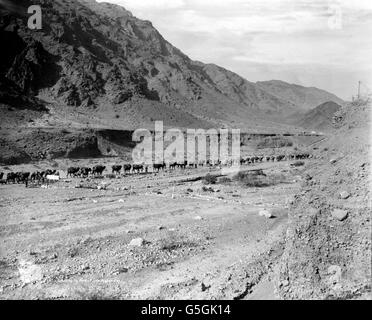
(160, 236)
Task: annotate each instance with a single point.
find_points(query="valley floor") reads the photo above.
(64, 242)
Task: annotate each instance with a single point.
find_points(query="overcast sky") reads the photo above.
(326, 44)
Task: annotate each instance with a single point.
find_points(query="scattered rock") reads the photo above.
(339, 214)
(138, 242)
(121, 270)
(284, 283)
(364, 165)
(344, 195)
(207, 189)
(266, 213)
(204, 287)
(85, 267)
(54, 256)
(332, 161)
(335, 273)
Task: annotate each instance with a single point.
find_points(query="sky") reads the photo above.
(315, 43)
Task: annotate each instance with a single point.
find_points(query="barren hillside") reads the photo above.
(109, 65)
(328, 243)
(304, 98)
(320, 118)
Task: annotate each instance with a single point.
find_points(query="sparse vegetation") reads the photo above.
(298, 164)
(258, 179)
(210, 179)
(274, 142)
(94, 295)
(224, 180)
(250, 179)
(172, 242)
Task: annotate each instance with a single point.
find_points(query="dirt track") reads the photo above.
(66, 242)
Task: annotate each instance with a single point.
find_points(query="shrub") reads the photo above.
(250, 178)
(256, 182)
(298, 164)
(224, 180)
(210, 179)
(258, 179)
(173, 242)
(94, 294)
(274, 142)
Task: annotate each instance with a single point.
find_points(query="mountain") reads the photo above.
(96, 64)
(321, 117)
(305, 98)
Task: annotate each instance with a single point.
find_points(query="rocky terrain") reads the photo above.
(320, 118)
(72, 93)
(307, 235)
(166, 235)
(328, 241)
(304, 98)
(95, 67)
(106, 63)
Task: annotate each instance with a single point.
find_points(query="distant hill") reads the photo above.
(117, 70)
(305, 98)
(320, 118)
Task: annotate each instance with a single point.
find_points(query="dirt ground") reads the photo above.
(191, 241)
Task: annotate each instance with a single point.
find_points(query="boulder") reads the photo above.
(138, 242)
(339, 214)
(344, 195)
(266, 213)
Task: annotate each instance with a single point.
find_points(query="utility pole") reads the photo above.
(359, 90)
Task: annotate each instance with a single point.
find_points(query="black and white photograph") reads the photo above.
(185, 150)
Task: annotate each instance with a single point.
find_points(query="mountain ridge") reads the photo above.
(306, 98)
(104, 61)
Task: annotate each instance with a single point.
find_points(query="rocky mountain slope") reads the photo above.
(328, 242)
(320, 118)
(304, 98)
(106, 63)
